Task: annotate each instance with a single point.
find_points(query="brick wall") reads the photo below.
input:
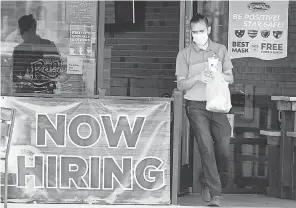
(145, 60)
(275, 77)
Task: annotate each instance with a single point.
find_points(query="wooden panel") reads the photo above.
(128, 72)
(148, 87)
(136, 41)
(284, 105)
(140, 35)
(143, 66)
(143, 53)
(273, 133)
(273, 171)
(172, 16)
(150, 92)
(144, 60)
(166, 10)
(119, 82)
(162, 29)
(153, 83)
(286, 155)
(118, 91)
(291, 134)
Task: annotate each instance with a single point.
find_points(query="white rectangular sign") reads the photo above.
(258, 29)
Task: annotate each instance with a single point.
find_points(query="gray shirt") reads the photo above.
(193, 60)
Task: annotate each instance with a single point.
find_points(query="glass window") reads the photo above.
(124, 16)
(51, 51)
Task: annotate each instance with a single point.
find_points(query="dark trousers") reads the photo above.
(212, 133)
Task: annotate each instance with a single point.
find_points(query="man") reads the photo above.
(42, 29)
(36, 61)
(211, 130)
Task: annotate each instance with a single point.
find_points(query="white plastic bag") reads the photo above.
(218, 95)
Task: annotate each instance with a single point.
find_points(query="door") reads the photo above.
(186, 164)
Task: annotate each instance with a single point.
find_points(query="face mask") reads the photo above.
(201, 38)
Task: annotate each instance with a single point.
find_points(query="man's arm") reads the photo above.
(186, 84)
(227, 68)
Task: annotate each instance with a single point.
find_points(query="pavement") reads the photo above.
(240, 201)
(190, 201)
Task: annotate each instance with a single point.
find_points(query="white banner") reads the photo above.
(258, 29)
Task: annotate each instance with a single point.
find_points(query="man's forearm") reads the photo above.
(186, 84)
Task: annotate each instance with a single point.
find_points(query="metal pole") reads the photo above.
(134, 12)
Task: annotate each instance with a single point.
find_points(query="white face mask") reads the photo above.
(201, 38)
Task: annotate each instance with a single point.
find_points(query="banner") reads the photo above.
(89, 151)
(258, 29)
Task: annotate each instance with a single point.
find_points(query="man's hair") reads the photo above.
(199, 17)
(26, 23)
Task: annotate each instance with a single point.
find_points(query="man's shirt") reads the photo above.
(193, 60)
(35, 65)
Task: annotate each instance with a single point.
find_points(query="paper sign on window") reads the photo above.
(74, 65)
(80, 40)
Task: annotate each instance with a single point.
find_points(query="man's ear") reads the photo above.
(209, 30)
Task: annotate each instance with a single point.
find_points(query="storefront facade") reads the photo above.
(134, 51)
(147, 50)
(104, 51)
(257, 121)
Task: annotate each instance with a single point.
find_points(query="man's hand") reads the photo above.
(205, 76)
(215, 73)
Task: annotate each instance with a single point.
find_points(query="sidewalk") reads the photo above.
(189, 201)
(239, 201)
